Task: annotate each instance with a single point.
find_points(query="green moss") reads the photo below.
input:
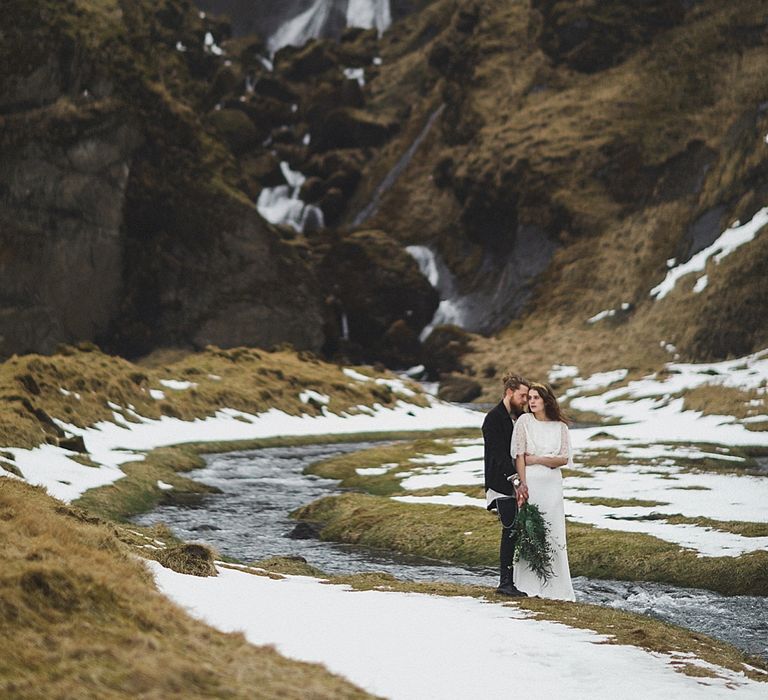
(438, 531)
(616, 502)
(293, 566)
(138, 491)
(576, 473)
(344, 467)
(428, 530)
(471, 491)
(739, 527)
(192, 559)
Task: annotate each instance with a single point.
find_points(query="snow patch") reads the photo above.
(731, 239)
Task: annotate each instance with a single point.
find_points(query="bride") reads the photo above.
(540, 446)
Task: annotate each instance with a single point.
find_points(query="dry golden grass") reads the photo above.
(714, 399)
(81, 619)
(242, 378)
(694, 82)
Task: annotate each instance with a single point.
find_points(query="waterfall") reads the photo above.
(282, 205)
(391, 177)
(318, 19)
(369, 14)
(298, 30)
(344, 326)
(451, 310)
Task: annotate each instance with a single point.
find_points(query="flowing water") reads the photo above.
(249, 520)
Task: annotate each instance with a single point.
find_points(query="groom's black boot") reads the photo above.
(507, 511)
(506, 587)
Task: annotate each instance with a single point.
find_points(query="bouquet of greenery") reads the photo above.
(533, 540)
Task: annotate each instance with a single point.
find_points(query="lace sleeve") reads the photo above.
(519, 438)
(565, 445)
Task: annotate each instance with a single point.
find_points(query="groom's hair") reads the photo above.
(513, 381)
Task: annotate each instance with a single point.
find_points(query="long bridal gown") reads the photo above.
(545, 489)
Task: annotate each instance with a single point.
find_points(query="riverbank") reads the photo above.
(357, 627)
(82, 618)
(658, 490)
(136, 459)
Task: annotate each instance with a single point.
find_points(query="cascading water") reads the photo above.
(450, 310)
(369, 14)
(319, 18)
(282, 205)
(500, 287)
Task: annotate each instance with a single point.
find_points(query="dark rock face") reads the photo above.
(592, 36)
(61, 208)
(352, 128)
(374, 284)
(120, 220)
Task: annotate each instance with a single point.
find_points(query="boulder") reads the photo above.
(458, 389)
(400, 347)
(374, 283)
(314, 58)
(237, 130)
(443, 350)
(269, 86)
(226, 81)
(260, 170)
(312, 189)
(265, 112)
(352, 128)
(332, 203)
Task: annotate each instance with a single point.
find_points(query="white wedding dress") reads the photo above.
(545, 489)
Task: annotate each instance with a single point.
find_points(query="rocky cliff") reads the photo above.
(557, 160)
(120, 219)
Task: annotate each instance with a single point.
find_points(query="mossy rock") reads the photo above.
(348, 127)
(375, 284)
(594, 35)
(444, 348)
(191, 559)
(459, 389)
(234, 126)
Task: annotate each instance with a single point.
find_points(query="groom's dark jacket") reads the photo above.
(497, 436)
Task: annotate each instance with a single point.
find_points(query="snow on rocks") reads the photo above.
(409, 645)
(178, 385)
(309, 395)
(728, 241)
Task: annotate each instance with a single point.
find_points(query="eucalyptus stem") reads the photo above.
(533, 544)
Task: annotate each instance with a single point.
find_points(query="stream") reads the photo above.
(250, 521)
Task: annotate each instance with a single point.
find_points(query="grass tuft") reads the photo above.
(192, 559)
(82, 619)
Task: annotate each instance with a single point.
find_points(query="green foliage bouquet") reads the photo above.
(533, 543)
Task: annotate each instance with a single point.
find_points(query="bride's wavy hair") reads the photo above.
(551, 406)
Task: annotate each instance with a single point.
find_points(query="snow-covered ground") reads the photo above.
(408, 645)
(415, 646)
(111, 444)
(653, 443)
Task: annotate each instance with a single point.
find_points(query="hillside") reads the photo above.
(567, 156)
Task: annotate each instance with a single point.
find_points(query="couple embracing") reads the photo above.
(526, 443)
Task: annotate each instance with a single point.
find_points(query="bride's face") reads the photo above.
(535, 402)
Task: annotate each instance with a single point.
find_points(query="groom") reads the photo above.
(502, 485)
